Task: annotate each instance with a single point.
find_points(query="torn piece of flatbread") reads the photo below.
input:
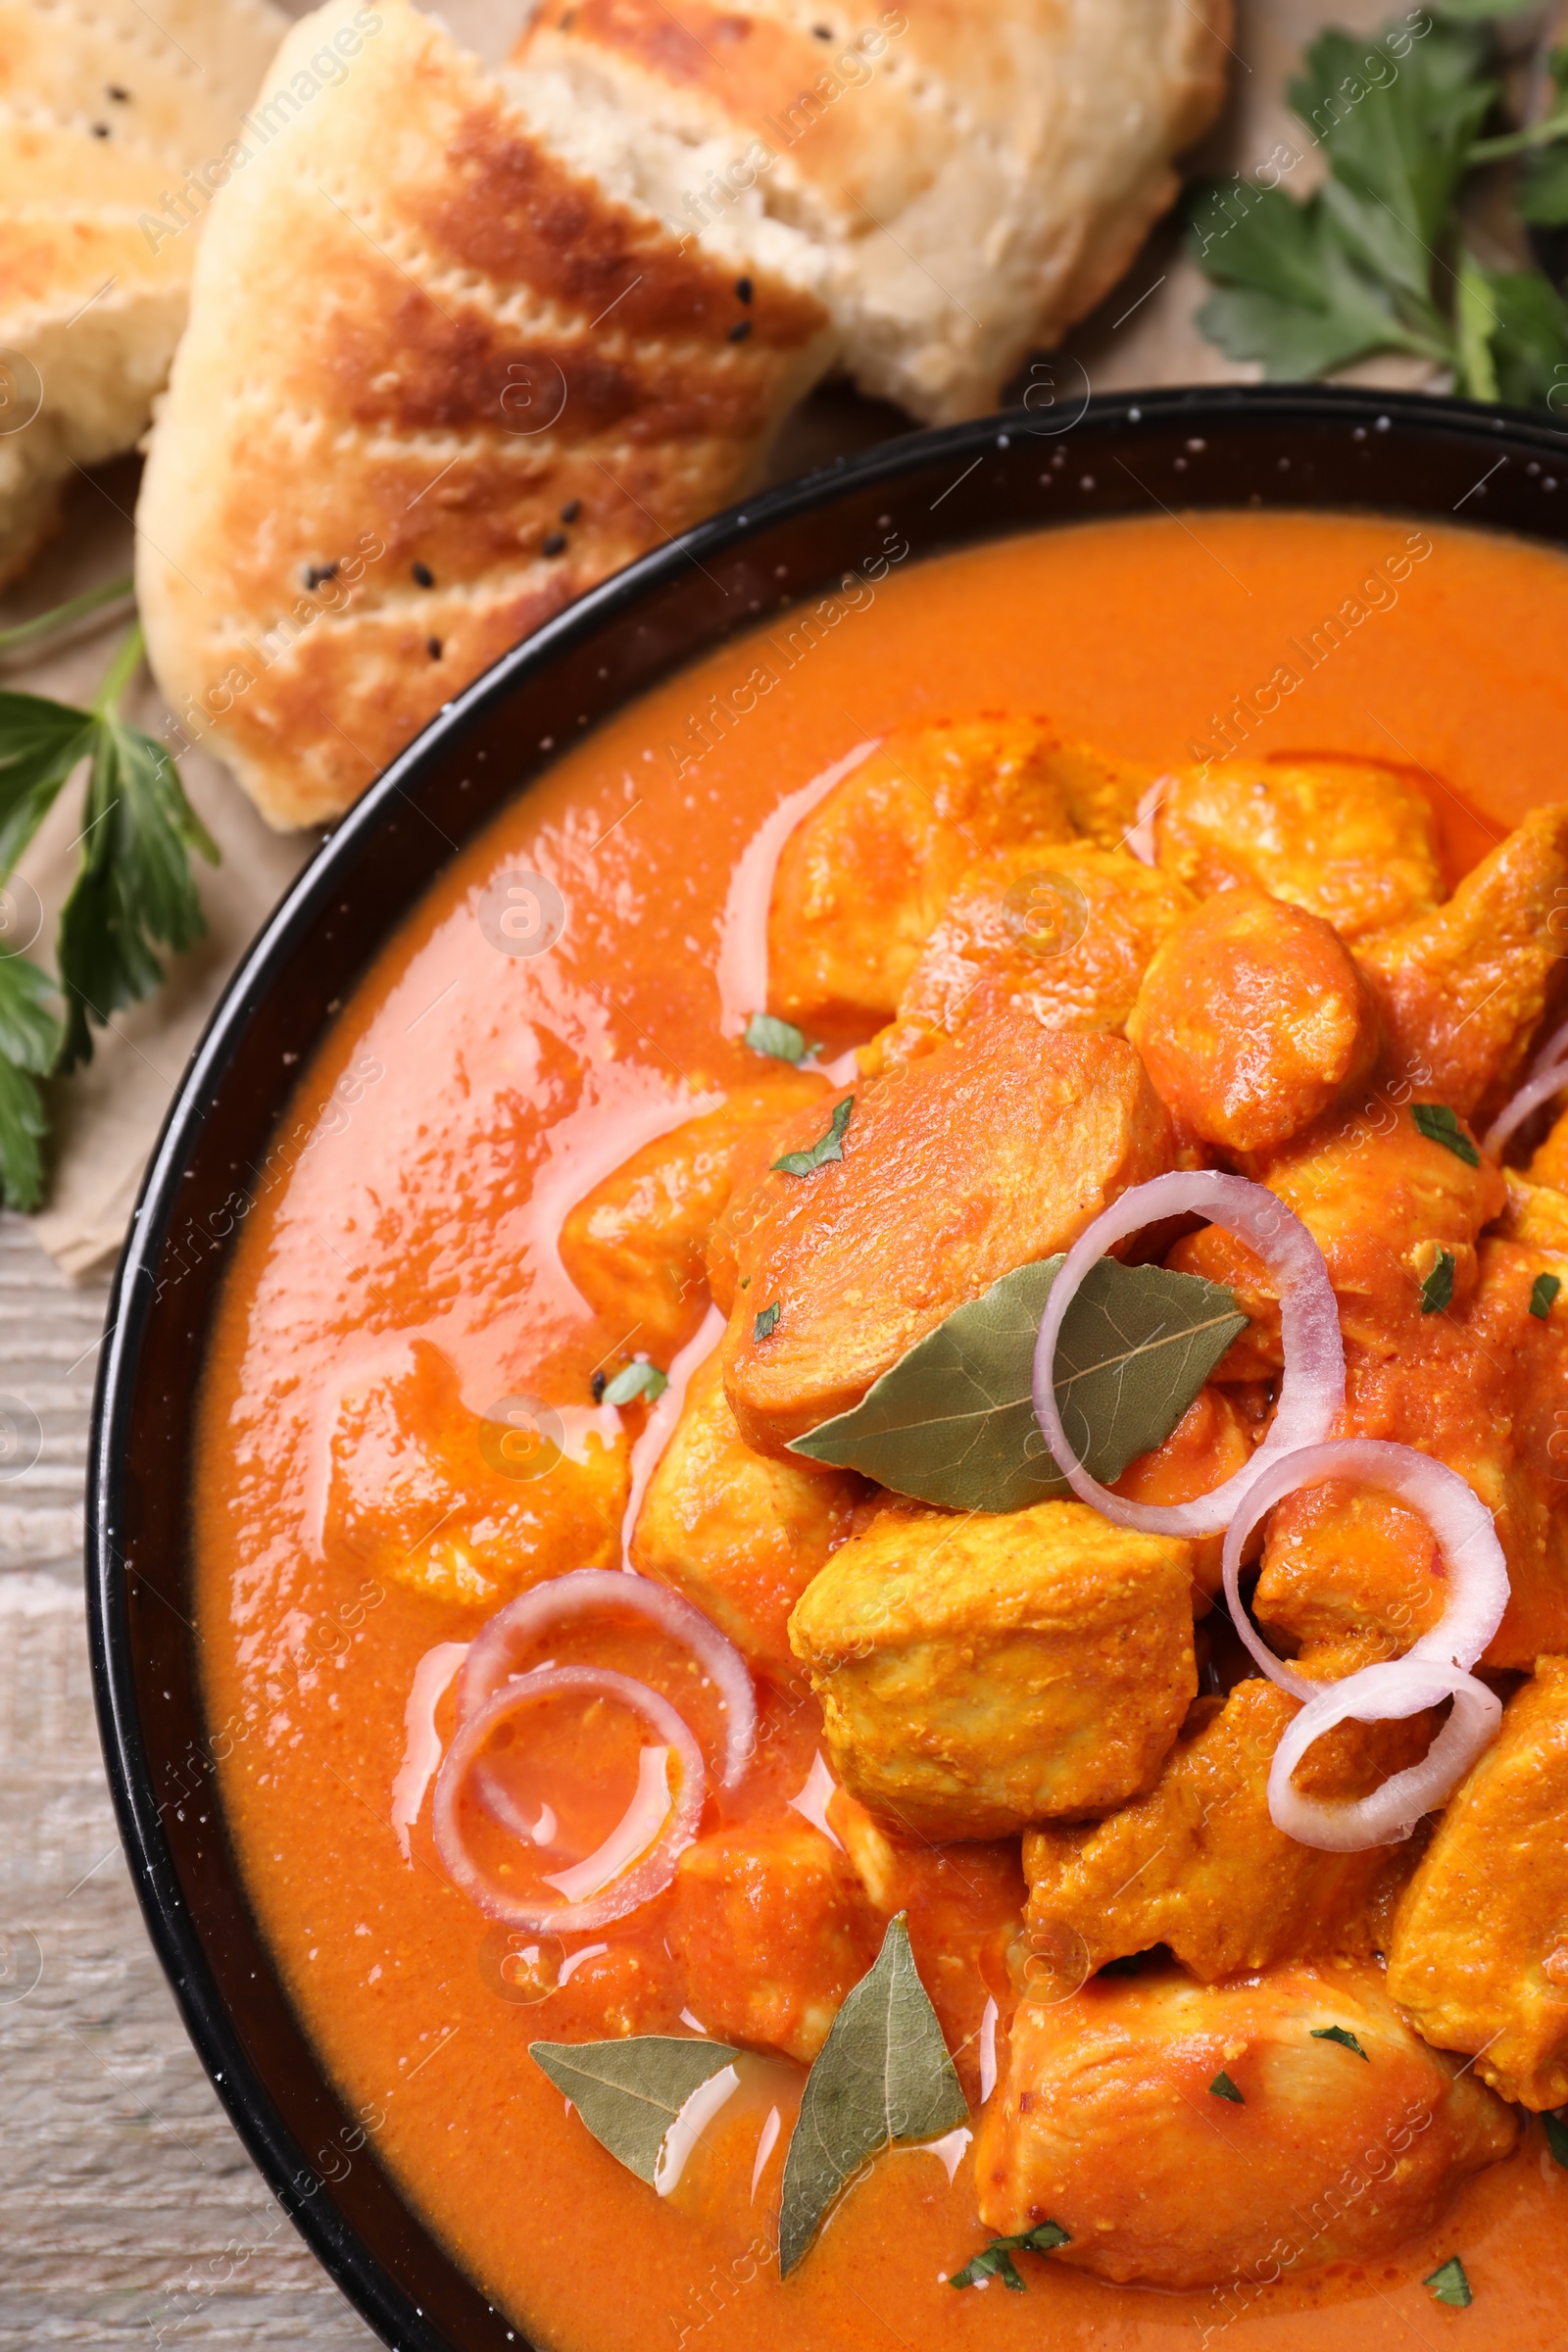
(439, 379)
(113, 127)
(976, 175)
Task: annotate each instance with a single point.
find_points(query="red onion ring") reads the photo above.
(650, 1872)
(1312, 1388)
(421, 1747)
(1536, 1089)
(1399, 1687)
(490, 1660)
(1555, 1050)
(1467, 1541)
(1138, 838)
(648, 1450)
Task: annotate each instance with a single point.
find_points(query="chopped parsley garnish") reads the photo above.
(1440, 1125)
(1343, 2036)
(766, 1323)
(1556, 2130)
(1543, 1291)
(1437, 1291)
(766, 1034)
(996, 2260)
(827, 1147)
(1448, 2284)
(1222, 2087)
(636, 1379)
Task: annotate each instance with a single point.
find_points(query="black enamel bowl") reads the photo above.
(1150, 451)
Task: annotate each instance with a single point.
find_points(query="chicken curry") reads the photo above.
(1049, 1815)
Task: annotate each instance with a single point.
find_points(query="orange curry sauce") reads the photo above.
(462, 1100)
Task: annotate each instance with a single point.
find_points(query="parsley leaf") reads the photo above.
(1448, 2284)
(1542, 199)
(40, 743)
(995, 2260)
(1440, 1125)
(827, 1147)
(1222, 2087)
(133, 887)
(1373, 260)
(30, 1039)
(641, 1379)
(765, 1324)
(1528, 336)
(1556, 2129)
(766, 1034)
(1397, 133)
(1343, 2036)
(134, 884)
(1289, 293)
(1437, 1291)
(1543, 1291)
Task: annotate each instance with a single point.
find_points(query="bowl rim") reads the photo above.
(356, 2269)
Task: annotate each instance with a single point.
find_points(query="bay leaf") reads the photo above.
(629, 2092)
(953, 1420)
(883, 2074)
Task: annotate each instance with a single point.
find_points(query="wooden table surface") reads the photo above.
(130, 2213)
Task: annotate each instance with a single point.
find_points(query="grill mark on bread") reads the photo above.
(515, 212)
(487, 262)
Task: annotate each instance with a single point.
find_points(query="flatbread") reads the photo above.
(446, 368)
(112, 130)
(977, 176)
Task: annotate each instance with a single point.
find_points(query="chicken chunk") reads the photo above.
(965, 1906)
(634, 1245)
(1350, 840)
(1348, 1574)
(1252, 1019)
(864, 877)
(741, 1534)
(1213, 1438)
(1069, 933)
(997, 1149)
(1103, 794)
(775, 1929)
(1479, 1956)
(1463, 990)
(1107, 2123)
(1550, 1163)
(1536, 1213)
(1197, 1863)
(1485, 1391)
(978, 1673)
(1381, 1200)
(467, 1508)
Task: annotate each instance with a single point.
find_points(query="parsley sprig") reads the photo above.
(133, 892)
(1376, 258)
